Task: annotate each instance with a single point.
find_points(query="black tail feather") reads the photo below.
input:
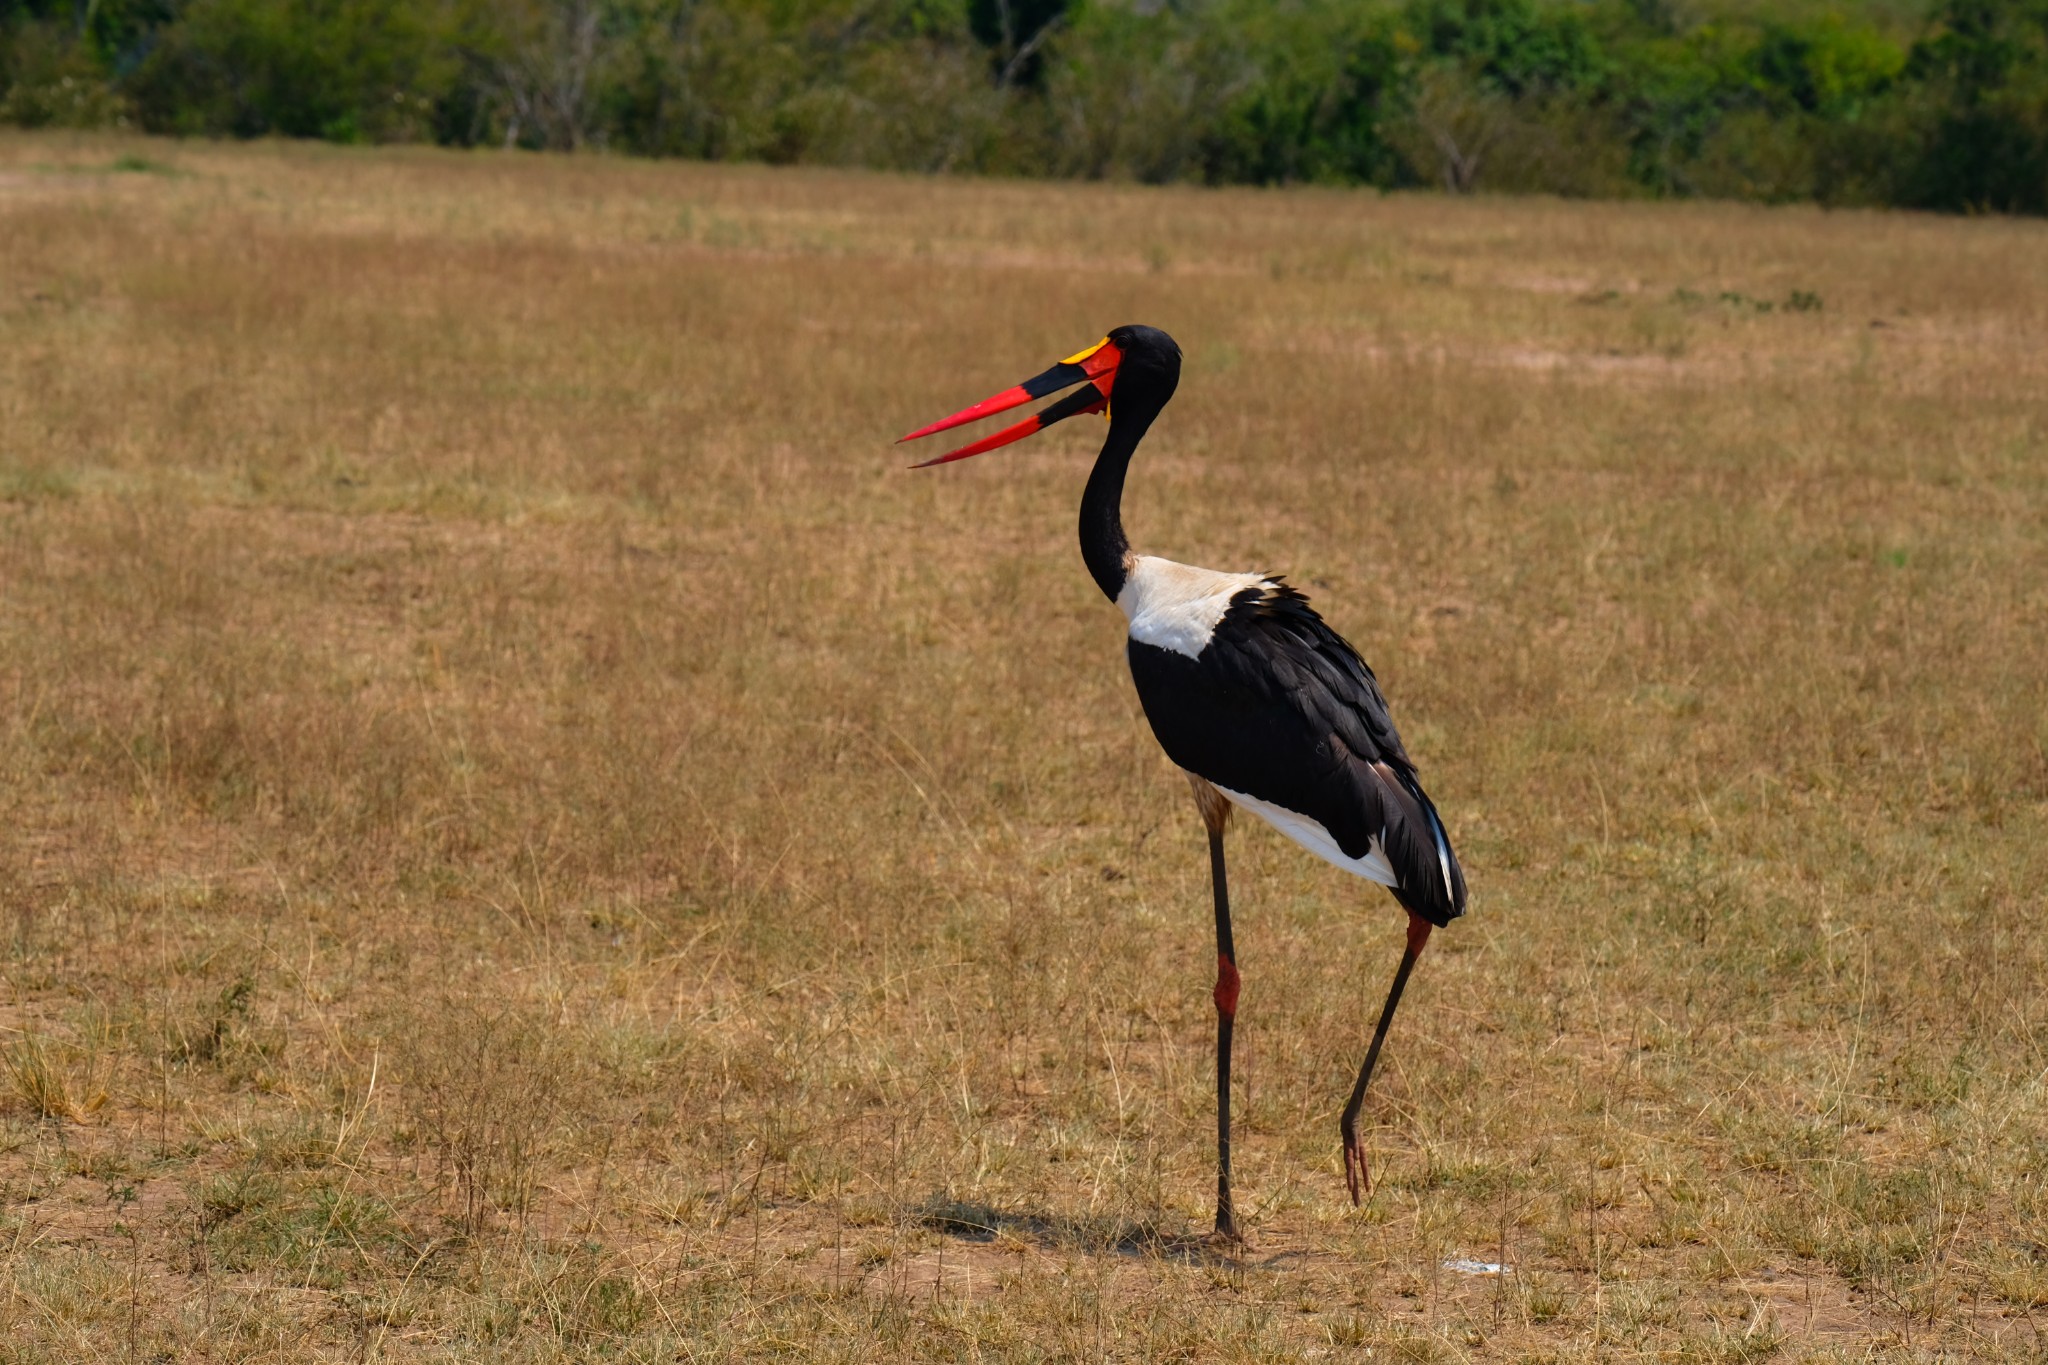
(1419, 847)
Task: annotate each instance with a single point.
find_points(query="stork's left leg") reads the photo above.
(1226, 1020)
(1216, 816)
(1355, 1174)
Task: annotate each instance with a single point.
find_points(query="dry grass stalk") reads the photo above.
(485, 1085)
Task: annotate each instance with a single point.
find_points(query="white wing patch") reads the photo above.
(1312, 836)
(1176, 606)
(1443, 859)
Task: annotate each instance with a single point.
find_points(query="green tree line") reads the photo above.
(1940, 106)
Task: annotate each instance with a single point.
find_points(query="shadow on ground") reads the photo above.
(1143, 1238)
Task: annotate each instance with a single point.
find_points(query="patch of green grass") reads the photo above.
(135, 163)
(315, 1226)
(36, 483)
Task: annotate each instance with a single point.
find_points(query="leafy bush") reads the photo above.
(49, 78)
(343, 70)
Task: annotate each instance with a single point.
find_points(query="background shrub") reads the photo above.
(1944, 107)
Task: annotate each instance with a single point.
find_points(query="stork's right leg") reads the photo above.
(1215, 815)
(1355, 1173)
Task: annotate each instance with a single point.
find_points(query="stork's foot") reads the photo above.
(1228, 1239)
(1356, 1175)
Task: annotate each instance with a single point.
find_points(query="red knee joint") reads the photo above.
(1418, 932)
(1226, 987)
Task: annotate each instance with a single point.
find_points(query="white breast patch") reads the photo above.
(1176, 606)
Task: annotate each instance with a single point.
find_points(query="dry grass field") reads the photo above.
(526, 834)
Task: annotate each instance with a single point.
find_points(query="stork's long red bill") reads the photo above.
(1095, 366)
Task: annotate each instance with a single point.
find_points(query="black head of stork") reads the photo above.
(1265, 707)
(1129, 377)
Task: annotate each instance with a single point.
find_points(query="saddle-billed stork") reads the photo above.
(1265, 707)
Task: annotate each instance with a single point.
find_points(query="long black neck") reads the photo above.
(1103, 544)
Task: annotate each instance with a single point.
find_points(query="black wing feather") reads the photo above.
(1280, 707)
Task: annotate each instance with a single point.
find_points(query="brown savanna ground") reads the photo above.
(525, 833)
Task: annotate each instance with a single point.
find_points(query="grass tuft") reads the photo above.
(61, 1079)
